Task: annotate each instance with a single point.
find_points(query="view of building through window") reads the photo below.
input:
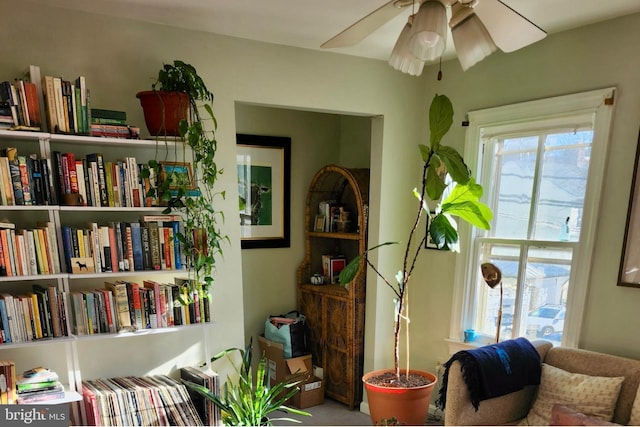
(535, 184)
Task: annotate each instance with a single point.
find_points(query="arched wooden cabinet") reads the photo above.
(335, 314)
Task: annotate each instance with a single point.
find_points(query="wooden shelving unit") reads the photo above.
(335, 314)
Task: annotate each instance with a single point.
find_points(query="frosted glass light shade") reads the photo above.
(472, 41)
(401, 57)
(429, 31)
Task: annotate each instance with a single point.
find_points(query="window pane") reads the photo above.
(533, 309)
(505, 257)
(514, 172)
(562, 186)
(545, 293)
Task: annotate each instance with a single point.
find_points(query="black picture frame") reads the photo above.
(264, 188)
(629, 273)
(428, 243)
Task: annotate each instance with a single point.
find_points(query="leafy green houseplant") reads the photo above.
(184, 131)
(251, 401)
(446, 180)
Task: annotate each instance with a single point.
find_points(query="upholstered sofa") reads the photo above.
(514, 407)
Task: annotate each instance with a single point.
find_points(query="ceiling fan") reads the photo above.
(478, 28)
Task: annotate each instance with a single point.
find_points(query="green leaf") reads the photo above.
(464, 202)
(425, 151)
(435, 184)
(440, 119)
(454, 163)
(443, 232)
(349, 271)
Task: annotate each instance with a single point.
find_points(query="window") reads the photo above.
(541, 165)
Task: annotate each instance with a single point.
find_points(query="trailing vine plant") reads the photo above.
(201, 239)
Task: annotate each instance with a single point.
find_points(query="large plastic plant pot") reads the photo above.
(399, 405)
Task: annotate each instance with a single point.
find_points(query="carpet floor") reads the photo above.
(332, 413)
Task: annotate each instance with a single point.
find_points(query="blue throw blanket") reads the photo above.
(495, 370)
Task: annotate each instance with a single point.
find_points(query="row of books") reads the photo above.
(19, 105)
(332, 265)
(8, 390)
(25, 101)
(25, 179)
(33, 315)
(67, 104)
(151, 243)
(156, 400)
(120, 306)
(103, 183)
(129, 306)
(28, 252)
(336, 217)
(32, 180)
(38, 385)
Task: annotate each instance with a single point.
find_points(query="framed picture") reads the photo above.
(319, 224)
(178, 174)
(428, 242)
(629, 274)
(264, 180)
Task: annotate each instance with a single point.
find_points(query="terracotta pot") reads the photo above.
(409, 406)
(163, 111)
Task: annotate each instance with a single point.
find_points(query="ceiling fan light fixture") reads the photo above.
(429, 31)
(471, 39)
(402, 59)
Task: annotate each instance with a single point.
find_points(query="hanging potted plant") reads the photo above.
(403, 394)
(183, 106)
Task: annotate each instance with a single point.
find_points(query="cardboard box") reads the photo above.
(311, 390)
(311, 393)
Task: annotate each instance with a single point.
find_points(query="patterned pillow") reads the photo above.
(565, 416)
(589, 395)
(635, 411)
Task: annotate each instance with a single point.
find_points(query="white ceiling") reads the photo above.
(309, 23)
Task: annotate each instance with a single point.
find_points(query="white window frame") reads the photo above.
(597, 104)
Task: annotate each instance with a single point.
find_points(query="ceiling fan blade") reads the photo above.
(367, 25)
(509, 30)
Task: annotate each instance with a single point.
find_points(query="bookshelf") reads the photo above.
(335, 314)
(70, 351)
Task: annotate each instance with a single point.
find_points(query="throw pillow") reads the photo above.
(635, 411)
(590, 395)
(565, 416)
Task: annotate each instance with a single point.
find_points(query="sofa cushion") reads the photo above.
(564, 416)
(590, 395)
(634, 420)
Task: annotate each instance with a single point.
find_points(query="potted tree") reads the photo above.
(402, 395)
(183, 105)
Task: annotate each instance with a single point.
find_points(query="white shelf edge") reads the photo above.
(122, 274)
(35, 343)
(32, 277)
(64, 208)
(21, 134)
(29, 207)
(142, 332)
(35, 277)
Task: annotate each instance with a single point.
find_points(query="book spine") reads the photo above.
(50, 103)
(136, 242)
(115, 260)
(60, 108)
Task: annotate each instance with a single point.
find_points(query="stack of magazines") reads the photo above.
(38, 385)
